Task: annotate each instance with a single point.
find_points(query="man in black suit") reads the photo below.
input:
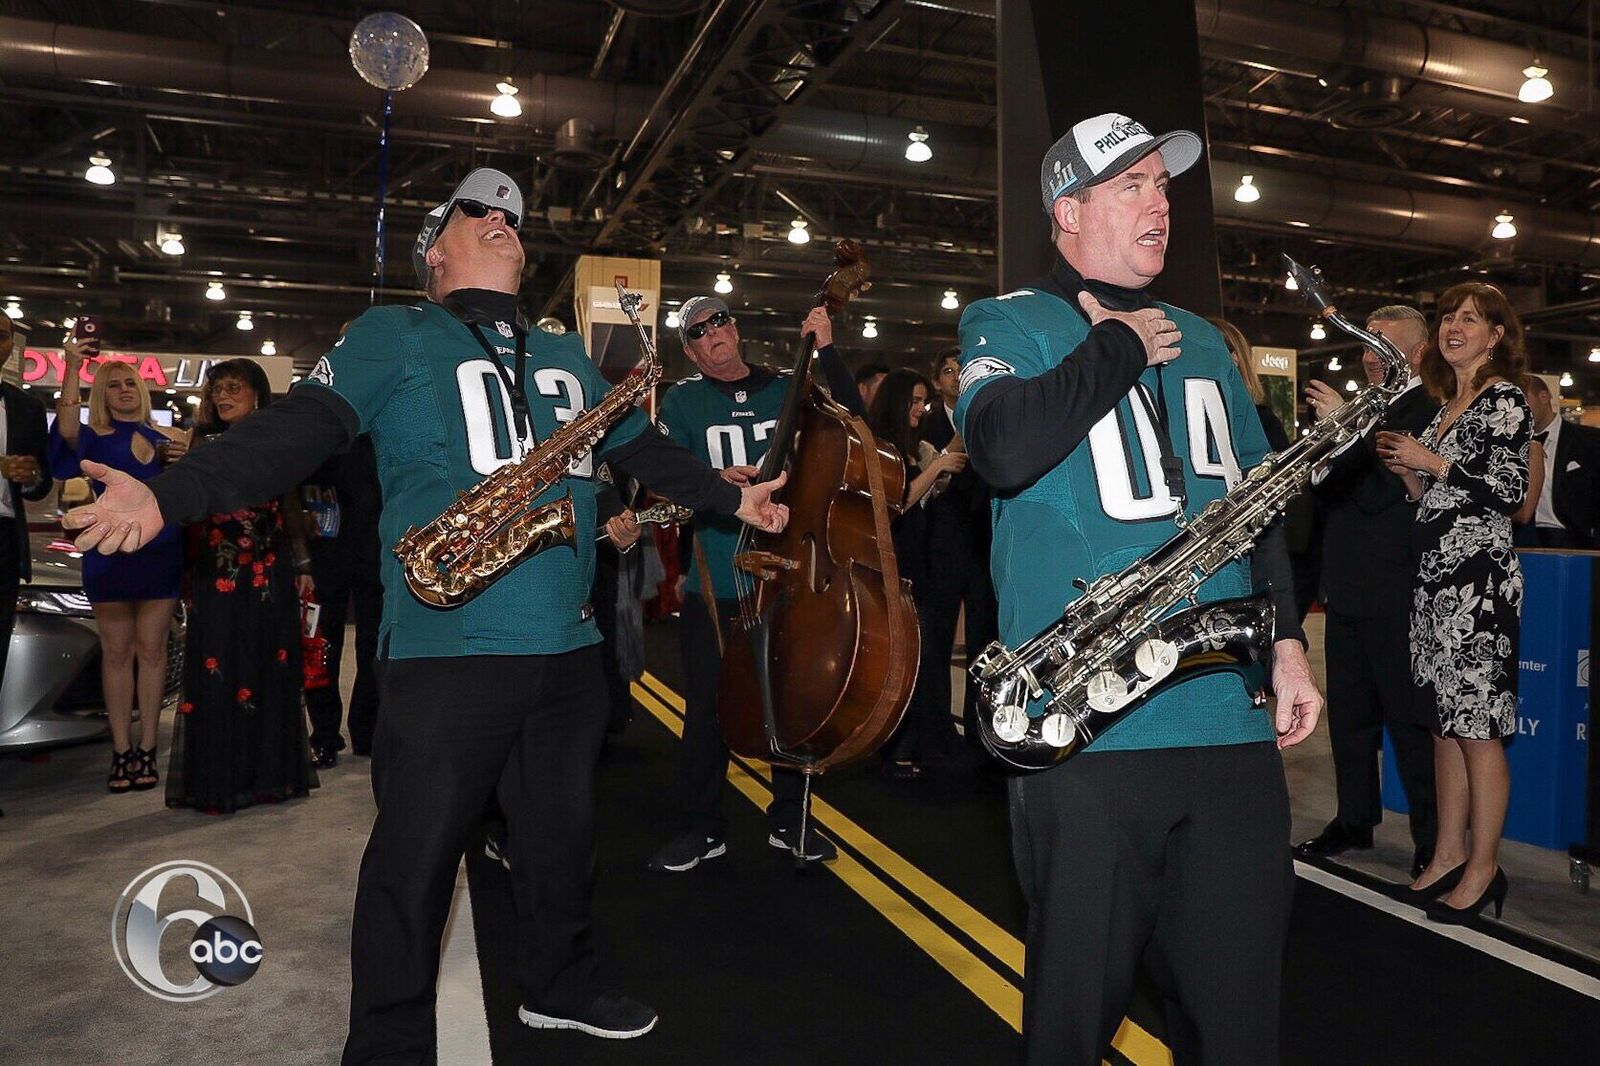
(958, 553)
(1367, 572)
(1569, 504)
(23, 464)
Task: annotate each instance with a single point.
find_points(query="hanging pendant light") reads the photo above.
(918, 151)
(1504, 229)
(1537, 89)
(1247, 193)
(506, 105)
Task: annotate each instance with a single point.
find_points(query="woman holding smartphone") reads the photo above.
(133, 595)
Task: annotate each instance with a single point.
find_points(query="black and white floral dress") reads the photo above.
(1467, 600)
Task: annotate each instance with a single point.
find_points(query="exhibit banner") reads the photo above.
(41, 368)
(1277, 368)
(608, 335)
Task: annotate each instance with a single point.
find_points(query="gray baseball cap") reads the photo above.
(1098, 149)
(484, 186)
(695, 308)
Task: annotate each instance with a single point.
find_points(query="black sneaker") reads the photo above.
(612, 1015)
(684, 852)
(818, 847)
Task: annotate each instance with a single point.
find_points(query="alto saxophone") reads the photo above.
(1121, 640)
(497, 524)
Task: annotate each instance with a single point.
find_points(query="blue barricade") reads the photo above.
(1549, 754)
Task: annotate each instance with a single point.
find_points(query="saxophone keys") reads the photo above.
(1107, 691)
(1058, 730)
(1155, 659)
(1010, 724)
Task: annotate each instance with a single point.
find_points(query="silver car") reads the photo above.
(51, 691)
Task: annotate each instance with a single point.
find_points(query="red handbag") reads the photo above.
(313, 645)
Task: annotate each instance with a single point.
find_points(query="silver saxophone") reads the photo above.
(1121, 640)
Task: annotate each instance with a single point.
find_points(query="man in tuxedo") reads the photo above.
(1569, 503)
(23, 465)
(958, 552)
(1367, 571)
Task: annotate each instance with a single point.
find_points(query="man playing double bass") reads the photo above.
(726, 414)
(1164, 840)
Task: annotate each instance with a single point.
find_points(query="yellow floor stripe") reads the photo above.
(1001, 995)
(998, 994)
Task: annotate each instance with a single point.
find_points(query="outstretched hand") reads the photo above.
(757, 509)
(124, 518)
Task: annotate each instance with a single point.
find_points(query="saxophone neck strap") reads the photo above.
(512, 378)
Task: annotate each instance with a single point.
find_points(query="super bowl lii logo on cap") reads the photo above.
(224, 949)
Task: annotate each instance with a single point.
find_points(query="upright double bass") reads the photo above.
(823, 656)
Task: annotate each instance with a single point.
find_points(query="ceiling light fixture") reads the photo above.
(506, 105)
(950, 302)
(1503, 228)
(244, 322)
(99, 172)
(870, 329)
(724, 284)
(1334, 366)
(673, 321)
(1566, 379)
(13, 307)
(172, 243)
(797, 232)
(214, 291)
(1247, 193)
(918, 151)
(1317, 332)
(1537, 88)
(1594, 355)
(1350, 386)
(192, 400)
(269, 347)
(1291, 284)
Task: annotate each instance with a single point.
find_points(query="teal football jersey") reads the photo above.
(440, 418)
(723, 431)
(1107, 504)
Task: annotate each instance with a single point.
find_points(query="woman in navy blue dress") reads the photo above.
(133, 595)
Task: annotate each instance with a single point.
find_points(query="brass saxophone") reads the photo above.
(496, 525)
(1121, 640)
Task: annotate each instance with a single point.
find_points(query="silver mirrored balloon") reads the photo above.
(389, 51)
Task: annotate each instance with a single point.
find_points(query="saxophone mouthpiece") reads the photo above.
(1311, 285)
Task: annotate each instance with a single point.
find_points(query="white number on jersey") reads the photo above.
(492, 436)
(1209, 435)
(726, 447)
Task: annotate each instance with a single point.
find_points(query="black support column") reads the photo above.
(1065, 60)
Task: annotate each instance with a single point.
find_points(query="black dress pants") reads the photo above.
(1170, 858)
(454, 732)
(703, 757)
(342, 582)
(957, 577)
(1369, 684)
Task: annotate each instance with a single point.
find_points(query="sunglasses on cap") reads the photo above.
(479, 209)
(701, 328)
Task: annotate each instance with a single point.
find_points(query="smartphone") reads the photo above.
(87, 333)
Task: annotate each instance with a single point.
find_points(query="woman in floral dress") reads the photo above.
(1470, 471)
(241, 730)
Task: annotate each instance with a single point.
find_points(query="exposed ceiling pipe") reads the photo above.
(1439, 67)
(1334, 207)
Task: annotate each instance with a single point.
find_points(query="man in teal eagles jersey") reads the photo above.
(725, 414)
(502, 696)
(1165, 838)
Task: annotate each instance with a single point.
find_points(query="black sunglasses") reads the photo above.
(716, 321)
(479, 209)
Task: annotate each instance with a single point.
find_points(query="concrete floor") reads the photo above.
(68, 848)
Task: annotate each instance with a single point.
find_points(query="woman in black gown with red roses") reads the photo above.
(241, 736)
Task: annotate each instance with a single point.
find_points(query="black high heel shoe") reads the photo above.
(1440, 911)
(122, 763)
(1421, 897)
(143, 775)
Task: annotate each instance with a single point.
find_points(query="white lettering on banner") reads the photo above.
(1275, 362)
(1583, 732)
(1533, 666)
(1527, 727)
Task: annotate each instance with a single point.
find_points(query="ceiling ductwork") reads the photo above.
(1333, 207)
(575, 147)
(1434, 66)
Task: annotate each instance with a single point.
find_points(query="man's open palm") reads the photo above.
(124, 517)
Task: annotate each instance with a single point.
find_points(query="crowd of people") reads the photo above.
(1021, 446)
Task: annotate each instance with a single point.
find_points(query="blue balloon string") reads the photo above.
(383, 191)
